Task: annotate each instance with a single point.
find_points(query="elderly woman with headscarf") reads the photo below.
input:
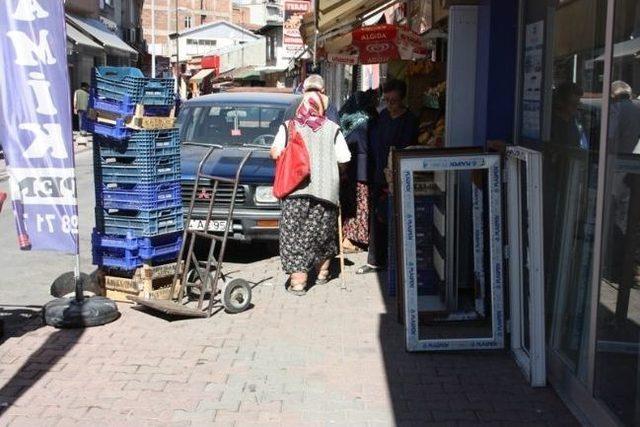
(308, 227)
(356, 118)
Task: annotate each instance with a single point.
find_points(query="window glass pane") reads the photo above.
(570, 174)
(231, 125)
(617, 379)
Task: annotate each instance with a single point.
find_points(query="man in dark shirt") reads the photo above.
(624, 126)
(624, 136)
(396, 127)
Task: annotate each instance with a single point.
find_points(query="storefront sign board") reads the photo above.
(291, 38)
(532, 82)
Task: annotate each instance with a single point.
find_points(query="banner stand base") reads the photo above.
(73, 313)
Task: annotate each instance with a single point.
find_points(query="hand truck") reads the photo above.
(203, 276)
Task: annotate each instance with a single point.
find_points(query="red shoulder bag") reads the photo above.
(293, 166)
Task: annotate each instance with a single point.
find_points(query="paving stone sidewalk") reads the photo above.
(330, 358)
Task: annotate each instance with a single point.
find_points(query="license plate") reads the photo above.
(214, 225)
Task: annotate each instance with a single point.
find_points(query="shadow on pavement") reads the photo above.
(17, 320)
(459, 388)
(240, 253)
(37, 365)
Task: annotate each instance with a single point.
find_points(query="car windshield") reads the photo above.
(226, 125)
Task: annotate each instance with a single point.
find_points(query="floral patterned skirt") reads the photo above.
(356, 227)
(308, 233)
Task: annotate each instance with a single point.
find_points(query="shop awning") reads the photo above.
(625, 48)
(240, 73)
(80, 39)
(101, 34)
(272, 69)
(335, 14)
(251, 74)
(201, 75)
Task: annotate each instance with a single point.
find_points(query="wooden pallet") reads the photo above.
(148, 281)
(138, 120)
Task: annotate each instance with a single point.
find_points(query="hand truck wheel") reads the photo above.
(194, 283)
(236, 296)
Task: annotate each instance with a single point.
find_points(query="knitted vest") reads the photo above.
(324, 181)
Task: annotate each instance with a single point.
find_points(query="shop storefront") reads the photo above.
(585, 122)
(549, 261)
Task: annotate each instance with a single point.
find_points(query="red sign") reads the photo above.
(381, 43)
(210, 62)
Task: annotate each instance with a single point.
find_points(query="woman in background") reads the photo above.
(356, 118)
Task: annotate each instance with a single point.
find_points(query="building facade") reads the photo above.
(558, 80)
(241, 47)
(260, 12)
(124, 19)
(189, 13)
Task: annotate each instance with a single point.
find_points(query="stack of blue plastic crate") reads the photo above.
(137, 171)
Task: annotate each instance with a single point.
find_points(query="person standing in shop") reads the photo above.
(81, 104)
(357, 117)
(396, 127)
(566, 126)
(624, 128)
(567, 139)
(624, 188)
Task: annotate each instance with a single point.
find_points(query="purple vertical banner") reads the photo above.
(35, 123)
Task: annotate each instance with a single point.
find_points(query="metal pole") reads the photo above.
(316, 10)
(178, 70)
(78, 281)
(598, 244)
(153, 38)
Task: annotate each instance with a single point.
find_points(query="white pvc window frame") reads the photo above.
(531, 361)
(406, 167)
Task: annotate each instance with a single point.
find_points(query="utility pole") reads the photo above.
(153, 38)
(178, 68)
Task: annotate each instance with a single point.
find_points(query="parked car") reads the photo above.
(237, 121)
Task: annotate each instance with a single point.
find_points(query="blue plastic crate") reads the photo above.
(125, 107)
(116, 83)
(140, 223)
(126, 170)
(142, 143)
(119, 131)
(139, 196)
(129, 252)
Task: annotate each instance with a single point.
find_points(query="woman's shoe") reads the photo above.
(297, 287)
(323, 277)
(296, 290)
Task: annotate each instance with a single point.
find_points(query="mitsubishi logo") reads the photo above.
(203, 195)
